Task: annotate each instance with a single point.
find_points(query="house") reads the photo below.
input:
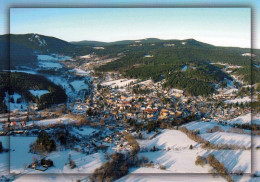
(178, 113)
(123, 97)
(164, 114)
(23, 123)
(121, 146)
(33, 165)
(13, 123)
(138, 106)
(129, 114)
(150, 111)
(150, 115)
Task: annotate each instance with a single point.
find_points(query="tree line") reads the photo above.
(21, 83)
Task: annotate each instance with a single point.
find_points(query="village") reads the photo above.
(114, 100)
(123, 93)
(119, 115)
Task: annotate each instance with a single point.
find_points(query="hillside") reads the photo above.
(188, 65)
(24, 47)
(17, 88)
(143, 58)
(121, 42)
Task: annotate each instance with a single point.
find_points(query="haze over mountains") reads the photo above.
(122, 42)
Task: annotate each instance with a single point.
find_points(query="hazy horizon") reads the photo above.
(131, 40)
(229, 27)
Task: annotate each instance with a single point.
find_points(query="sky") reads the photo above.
(217, 26)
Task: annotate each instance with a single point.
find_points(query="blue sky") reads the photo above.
(227, 27)
(219, 26)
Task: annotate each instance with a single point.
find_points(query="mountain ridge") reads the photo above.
(24, 47)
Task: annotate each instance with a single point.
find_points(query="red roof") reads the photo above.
(150, 110)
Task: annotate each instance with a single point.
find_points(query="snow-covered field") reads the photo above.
(178, 158)
(61, 120)
(120, 83)
(218, 138)
(81, 72)
(256, 119)
(98, 48)
(79, 84)
(85, 163)
(20, 157)
(53, 57)
(239, 100)
(176, 90)
(86, 56)
(256, 141)
(170, 177)
(15, 106)
(175, 161)
(230, 91)
(248, 54)
(168, 139)
(49, 177)
(85, 131)
(256, 161)
(51, 61)
(12, 118)
(39, 93)
(203, 126)
(245, 119)
(146, 82)
(23, 71)
(50, 65)
(233, 160)
(15, 96)
(4, 157)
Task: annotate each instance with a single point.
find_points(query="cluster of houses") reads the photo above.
(115, 104)
(112, 105)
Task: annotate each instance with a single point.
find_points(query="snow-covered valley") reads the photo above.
(103, 116)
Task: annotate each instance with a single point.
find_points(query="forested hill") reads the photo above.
(24, 47)
(145, 58)
(154, 43)
(129, 42)
(161, 60)
(41, 43)
(21, 83)
(181, 68)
